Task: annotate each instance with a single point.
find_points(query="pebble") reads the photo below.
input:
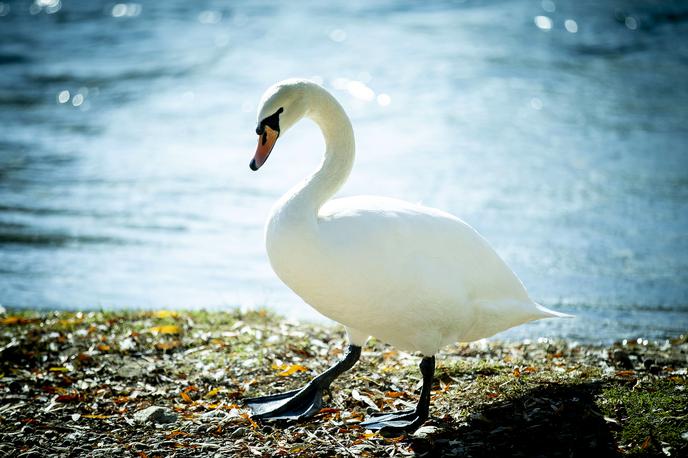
(426, 432)
(155, 414)
(239, 432)
(621, 358)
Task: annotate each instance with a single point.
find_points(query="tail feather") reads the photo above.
(546, 313)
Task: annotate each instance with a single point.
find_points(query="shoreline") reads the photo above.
(80, 383)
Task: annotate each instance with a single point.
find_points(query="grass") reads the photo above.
(72, 384)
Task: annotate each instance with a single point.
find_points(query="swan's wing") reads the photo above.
(415, 241)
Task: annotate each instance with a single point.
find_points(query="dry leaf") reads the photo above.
(363, 398)
(168, 345)
(395, 394)
(166, 329)
(186, 397)
(97, 416)
(646, 442)
(289, 369)
(103, 347)
(246, 416)
(625, 373)
(165, 314)
(212, 393)
(58, 369)
(176, 433)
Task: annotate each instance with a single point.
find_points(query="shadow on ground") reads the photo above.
(549, 421)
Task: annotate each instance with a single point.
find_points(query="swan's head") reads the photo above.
(281, 106)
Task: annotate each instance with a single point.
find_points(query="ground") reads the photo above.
(77, 384)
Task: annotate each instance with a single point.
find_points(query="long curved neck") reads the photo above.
(336, 166)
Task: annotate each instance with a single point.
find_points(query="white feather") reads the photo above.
(415, 277)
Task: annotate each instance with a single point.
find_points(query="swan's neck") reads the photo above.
(307, 197)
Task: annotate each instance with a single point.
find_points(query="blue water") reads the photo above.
(557, 129)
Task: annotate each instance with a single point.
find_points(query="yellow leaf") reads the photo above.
(104, 347)
(165, 314)
(96, 416)
(212, 393)
(166, 329)
(291, 370)
(254, 425)
(58, 369)
(186, 397)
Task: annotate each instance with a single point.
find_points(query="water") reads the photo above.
(557, 129)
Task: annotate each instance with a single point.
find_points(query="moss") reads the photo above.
(651, 416)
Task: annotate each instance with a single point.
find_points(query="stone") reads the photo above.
(155, 414)
(426, 432)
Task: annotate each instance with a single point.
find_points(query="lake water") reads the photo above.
(557, 129)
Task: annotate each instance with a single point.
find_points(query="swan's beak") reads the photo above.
(266, 141)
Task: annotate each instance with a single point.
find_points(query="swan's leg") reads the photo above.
(408, 420)
(304, 402)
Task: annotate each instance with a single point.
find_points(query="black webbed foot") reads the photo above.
(305, 402)
(292, 405)
(397, 423)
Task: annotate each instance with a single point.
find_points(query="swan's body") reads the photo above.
(412, 276)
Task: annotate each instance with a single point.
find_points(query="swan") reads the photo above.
(414, 277)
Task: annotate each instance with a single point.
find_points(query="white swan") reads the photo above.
(412, 276)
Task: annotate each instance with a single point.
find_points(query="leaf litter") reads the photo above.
(170, 383)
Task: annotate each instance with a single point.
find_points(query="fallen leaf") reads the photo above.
(168, 345)
(176, 433)
(190, 388)
(363, 398)
(142, 454)
(289, 369)
(395, 394)
(186, 397)
(166, 329)
(68, 397)
(103, 347)
(97, 416)
(11, 320)
(517, 372)
(58, 369)
(646, 442)
(165, 314)
(529, 370)
(212, 393)
(625, 373)
(246, 416)
(121, 399)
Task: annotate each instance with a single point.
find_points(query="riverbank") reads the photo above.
(170, 384)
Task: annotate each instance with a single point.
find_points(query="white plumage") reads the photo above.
(412, 276)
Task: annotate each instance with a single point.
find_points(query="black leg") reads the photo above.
(408, 420)
(304, 402)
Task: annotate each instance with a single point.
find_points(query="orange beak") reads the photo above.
(266, 142)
